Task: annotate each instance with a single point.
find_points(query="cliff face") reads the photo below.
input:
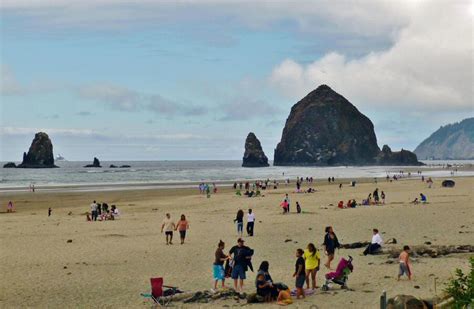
(326, 129)
(453, 141)
(40, 154)
(254, 155)
(403, 157)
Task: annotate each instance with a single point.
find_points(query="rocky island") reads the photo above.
(324, 128)
(254, 155)
(95, 163)
(40, 154)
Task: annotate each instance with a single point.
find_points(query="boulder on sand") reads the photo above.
(96, 163)
(40, 154)
(405, 302)
(254, 155)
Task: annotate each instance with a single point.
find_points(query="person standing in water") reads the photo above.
(331, 243)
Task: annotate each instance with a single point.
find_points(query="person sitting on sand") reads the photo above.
(404, 266)
(264, 283)
(340, 205)
(331, 243)
(423, 198)
(284, 297)
(375, 244)
(182, 226)
(353, 203)
(218, 266)
(168, 226)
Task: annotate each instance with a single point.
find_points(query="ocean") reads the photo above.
(185, 173)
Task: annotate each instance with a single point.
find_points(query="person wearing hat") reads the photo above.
(241, 256)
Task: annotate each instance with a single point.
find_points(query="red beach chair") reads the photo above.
(157, 292)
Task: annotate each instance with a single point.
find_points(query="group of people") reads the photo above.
(285, 205)
(100, 212)
(238, 261)
(422, 199)
(205, 188)
(168, 227)
(239, 221)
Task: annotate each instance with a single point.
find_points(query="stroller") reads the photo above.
(341, 275)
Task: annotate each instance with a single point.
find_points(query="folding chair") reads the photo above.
(157, 293)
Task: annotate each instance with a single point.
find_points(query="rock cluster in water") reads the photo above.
(40, 154)
(95, 163)
(254, 155)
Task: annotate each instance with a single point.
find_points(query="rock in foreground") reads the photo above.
(96, 163)
(40, 154)
(254, 155)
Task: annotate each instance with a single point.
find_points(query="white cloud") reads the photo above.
(9, 85)
(428, 67)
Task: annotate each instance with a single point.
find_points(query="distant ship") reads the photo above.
(59, 157)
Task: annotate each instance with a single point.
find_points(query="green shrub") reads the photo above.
(461, 287)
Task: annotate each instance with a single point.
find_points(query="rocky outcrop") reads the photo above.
(254, 155)
(40, 154)
(453, 141)
(9, 165)
(406, 301)
(326, 129)
(96, 163)
(403, 157)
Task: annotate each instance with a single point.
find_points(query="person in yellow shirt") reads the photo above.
(312, 258)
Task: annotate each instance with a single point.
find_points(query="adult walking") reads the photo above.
(375, 244)
(168, 227)
(94, 213)
(239, 220)
(330, 244)
(182, 226)
(241, 256)
(250, 222)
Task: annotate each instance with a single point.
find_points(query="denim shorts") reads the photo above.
(300, 281)
(238, 272)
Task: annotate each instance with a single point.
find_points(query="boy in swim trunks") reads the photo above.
(404, 267)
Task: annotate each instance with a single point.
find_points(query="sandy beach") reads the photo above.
(108, 264)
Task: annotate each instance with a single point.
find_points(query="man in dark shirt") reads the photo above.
(241, 258)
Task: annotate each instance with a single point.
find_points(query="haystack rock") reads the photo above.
(254, 155)
(40, 154)
(96, 163)
(324, 128)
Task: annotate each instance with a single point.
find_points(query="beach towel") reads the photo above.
(306, 292)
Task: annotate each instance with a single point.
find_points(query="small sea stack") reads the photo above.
(40, 154)
(254, 155)
(95, 163)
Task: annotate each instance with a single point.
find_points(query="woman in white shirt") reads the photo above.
(375, 244)
(250, 222)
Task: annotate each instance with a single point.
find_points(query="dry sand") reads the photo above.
(109, 263)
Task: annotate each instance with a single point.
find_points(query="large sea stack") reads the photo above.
(324, 128)
(254, 155)
(40, 154)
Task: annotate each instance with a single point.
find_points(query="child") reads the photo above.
(312, 258)
(405, 263)
(218, 267)
(300, 273)
(298, 207)
(284, 297)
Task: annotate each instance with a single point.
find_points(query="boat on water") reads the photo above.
(59, 157)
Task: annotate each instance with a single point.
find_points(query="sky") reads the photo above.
(188, 80)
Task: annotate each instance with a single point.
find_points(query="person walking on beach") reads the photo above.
(94, 211)
(382, 195)
(239, 220)
(312, 258)
(182, 226)
(218, 267)
(168, 227)
(50, 211)
(375, 244)
(241, 259)
(330, 244)
(250, 222)
(404, 266)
